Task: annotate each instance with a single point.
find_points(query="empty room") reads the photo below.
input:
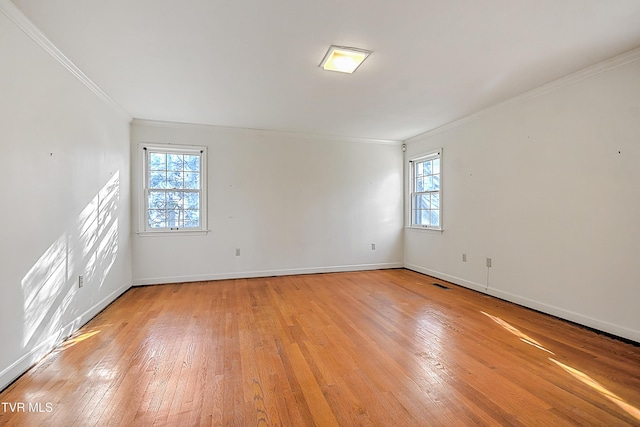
(341, 213)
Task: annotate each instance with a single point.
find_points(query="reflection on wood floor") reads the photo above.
(383, 348)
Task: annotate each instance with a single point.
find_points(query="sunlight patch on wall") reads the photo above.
(51, 284)
(98, 231)
(95, 217)
(100, 260)
(42, 286)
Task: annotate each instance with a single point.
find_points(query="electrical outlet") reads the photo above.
(80, 281)
(464, 257)
(489, 262)
(373, 246)
(238, 252)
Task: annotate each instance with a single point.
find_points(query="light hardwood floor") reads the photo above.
(385, 348)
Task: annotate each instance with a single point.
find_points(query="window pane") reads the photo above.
(192, 218)
(421, 201)
(418, 169)
(157, 200)
(419, 185)
(427, 167)
(436, 182)
(425, 216)
(174, 199)
(174, 218)
(157, 179)
(157, 161)
(157, 219)
(175, 180)
(435, 200)
(192, 180)
(436, 165)
(416, 217)
(428, 183)
(435, 218)
(192, 200)
(192, 163)
(175, 162)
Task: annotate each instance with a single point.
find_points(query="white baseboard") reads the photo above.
(590, 322)
(22, 365)
(265, 273)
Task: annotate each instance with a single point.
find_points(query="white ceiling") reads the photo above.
(254, 64)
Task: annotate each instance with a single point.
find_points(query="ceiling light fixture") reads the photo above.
(343, 59)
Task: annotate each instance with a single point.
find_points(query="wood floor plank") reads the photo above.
(372, 348)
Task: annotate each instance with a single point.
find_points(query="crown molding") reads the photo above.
(591, 71)
(302, 135)
(20, 20)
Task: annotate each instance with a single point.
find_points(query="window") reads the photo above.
(174, 196)
(426, 207)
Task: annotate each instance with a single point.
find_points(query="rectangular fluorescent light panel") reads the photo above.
(343, 59)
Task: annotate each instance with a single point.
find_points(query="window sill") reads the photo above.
(173, 233)
(432, 230)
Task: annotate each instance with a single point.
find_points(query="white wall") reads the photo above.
(64, 205)
(549, 188)
(291, 203)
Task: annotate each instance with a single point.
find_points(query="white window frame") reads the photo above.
(436, 154)
(143, 224)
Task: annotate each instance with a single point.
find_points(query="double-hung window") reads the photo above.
(174, 198)
(426, 206)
